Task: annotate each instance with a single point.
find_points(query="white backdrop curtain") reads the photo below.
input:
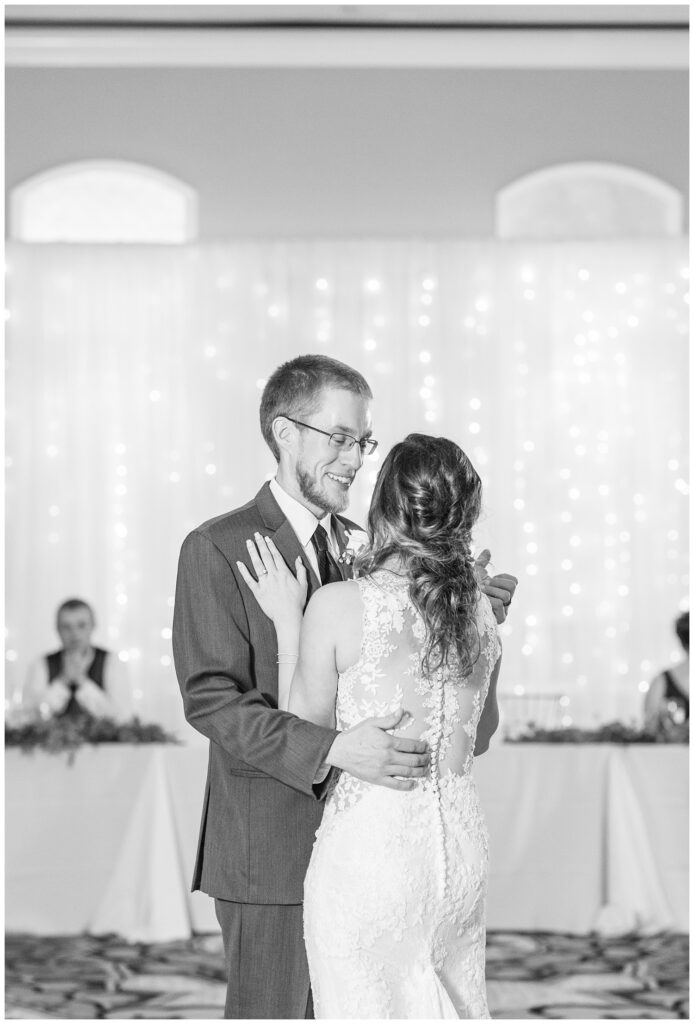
(133, 382)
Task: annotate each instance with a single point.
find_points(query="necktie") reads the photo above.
(328, 569)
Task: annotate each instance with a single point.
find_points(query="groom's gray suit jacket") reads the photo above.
(261, 809)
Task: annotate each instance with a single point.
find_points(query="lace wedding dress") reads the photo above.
(394, 898)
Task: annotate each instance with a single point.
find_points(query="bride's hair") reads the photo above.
(425, 503)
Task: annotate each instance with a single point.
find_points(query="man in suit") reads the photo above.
(268, 769)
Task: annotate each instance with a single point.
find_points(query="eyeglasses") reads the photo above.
(343, 442)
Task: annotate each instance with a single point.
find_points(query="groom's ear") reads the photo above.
(284, 433)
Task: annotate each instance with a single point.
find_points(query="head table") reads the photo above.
(582, 837)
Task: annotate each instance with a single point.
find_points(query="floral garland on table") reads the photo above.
(611, 732)
(68, 733)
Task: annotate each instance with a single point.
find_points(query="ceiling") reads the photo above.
(349, 15)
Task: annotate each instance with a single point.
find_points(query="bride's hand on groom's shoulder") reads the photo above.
(280, 594)
(499, 589)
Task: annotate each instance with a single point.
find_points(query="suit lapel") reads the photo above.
(283, 535)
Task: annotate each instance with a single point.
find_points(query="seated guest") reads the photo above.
(667, 700)
(79, 677)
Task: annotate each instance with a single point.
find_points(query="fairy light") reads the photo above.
(372, 285)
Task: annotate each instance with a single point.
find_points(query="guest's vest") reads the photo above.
(95, 672)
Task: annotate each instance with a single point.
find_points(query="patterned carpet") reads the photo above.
(530, 975)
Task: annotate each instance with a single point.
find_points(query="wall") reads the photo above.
(346, 153)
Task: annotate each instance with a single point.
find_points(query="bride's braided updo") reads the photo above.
(425, 503)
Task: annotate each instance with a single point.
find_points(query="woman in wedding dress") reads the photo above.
(394, 897)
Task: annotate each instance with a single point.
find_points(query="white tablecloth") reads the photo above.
(581, 837)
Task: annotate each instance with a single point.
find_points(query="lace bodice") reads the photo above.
(443, 710)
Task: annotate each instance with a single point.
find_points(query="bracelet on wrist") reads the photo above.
(287, 659)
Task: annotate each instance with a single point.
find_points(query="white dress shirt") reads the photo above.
(47, 698)
(303, 523)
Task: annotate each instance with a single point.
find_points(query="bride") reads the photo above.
(394, 897)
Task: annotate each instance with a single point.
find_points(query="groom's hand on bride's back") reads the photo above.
(370, 753)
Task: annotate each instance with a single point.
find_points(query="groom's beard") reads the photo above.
(317, 493)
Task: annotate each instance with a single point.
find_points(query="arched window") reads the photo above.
(588, 200)
(103, 201)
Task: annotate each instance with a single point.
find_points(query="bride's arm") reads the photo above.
(489, 719)
(306, 667)
(281, 595)
(314, 683)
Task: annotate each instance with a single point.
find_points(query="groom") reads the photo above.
(268, 770)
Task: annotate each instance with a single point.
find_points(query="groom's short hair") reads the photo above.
(295, 390)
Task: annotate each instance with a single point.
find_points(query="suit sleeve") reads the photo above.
(214, 664)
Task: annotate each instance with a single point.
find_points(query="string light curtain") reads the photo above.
(133, 383)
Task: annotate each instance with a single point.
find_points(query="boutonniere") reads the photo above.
(356, 539)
